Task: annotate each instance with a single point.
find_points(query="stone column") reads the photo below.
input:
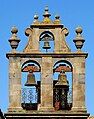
(79, 85)
(14, 84)
(46, 84)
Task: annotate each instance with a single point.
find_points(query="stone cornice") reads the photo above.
(54, 55)
(46, 26)
(55, 114)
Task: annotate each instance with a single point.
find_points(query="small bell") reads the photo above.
(46, 45)
(30, 79)
(62, 79)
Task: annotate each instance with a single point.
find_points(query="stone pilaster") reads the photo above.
(35, 40)
(46, 84)
(57, 40)
(79, 85)
(14, 84)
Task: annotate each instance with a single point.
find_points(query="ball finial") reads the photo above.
(14, 30)
(57, 16)
(46, 8)
(79, 30)
(35, 16)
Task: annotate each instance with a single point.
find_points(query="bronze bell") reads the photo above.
(62, 79)
(46, 45)
(30, 79)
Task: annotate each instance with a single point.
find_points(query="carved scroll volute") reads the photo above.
(65, 31)
(65, 46)
(28, 33)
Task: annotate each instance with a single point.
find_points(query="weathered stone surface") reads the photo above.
(46, 84)
(79, 85)
(14, 84)
(47, 115)
(91, 117)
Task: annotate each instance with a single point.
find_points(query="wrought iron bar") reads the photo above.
(29, 95)
(62, 98)
(69, 96)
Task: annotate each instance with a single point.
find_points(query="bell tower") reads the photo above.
(54, 82)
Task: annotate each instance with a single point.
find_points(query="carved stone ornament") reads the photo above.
(14, 41)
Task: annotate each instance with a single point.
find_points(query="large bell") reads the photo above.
(30, 79)
(62, 79)
(46, 45)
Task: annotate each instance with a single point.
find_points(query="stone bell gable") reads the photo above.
(55, 28)
(47, 79)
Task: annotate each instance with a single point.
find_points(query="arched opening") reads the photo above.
(46, 40)
(30, 84)
(62, 85)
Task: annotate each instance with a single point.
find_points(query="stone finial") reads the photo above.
(14, 40)
(36, 19)
(46, 14)
(79, 40)
(57, 16)
(57, 20)
(79, 30)
(14, 30)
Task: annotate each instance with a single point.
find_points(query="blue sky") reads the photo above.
(72, 13)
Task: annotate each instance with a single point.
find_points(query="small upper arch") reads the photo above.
(31, 61)
(46, 34)
(64, 61)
